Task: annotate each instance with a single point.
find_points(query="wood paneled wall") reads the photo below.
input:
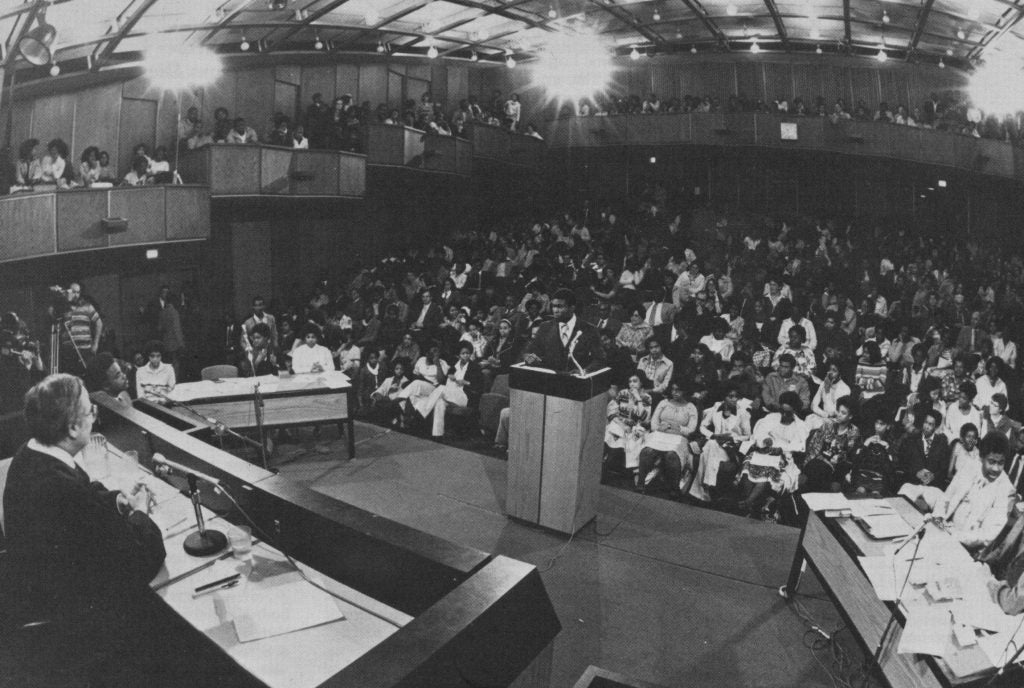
(117, 117)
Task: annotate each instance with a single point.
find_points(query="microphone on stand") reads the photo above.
(203, 542)
(917, 536)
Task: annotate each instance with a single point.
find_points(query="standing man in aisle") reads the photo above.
(81, 331)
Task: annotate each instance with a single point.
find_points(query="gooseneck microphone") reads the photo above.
(204, 542)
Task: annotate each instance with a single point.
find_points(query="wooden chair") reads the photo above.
(216, 372)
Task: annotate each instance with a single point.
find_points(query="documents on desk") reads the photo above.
(948, 610)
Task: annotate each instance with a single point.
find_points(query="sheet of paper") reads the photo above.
(281, 609)
(999, 648)
(884, 527)
(985, 614)
(863, 508)
(335, 380)
(928, 631)
(882, 575)
(822, 501)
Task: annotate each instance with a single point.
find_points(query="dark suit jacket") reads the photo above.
(433, 319)
(913, 458)
(72, 555)
(553, 354)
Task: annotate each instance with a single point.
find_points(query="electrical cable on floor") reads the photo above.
(561, 550)
(840, 666)
(629, 513)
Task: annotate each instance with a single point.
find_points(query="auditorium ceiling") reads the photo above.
(95, 34)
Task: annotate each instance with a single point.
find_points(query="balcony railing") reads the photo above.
(876, 139)
(402, 146)
(258, 170)
(49, 223)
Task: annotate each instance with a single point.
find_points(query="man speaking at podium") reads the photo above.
(565, 344)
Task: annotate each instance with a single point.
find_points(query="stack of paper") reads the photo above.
(280, 609)
(928, 631)
(886, 526)
(882, 574)
(827, 501)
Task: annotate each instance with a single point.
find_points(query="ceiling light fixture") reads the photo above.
(961, 34)
(318, 44)
(55, 69)
(679, 34)
(432, 52)
(657, 16)
(693, 50)
(942, 63)
(949, 52)
(818, 50)
(380, 47)
(634, 54)
(510, 62)
(882, 56)
(244, 45)
(754, 47)
(885, 17)
(473, 57)
(552, 14)
(34, 46)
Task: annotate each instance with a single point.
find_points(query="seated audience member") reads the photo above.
(385, 401)
(960, 412)
(28, 171)
(832, 388)
(19, 370)
(796, 317)
(779, 438)
(448, 386)
(806, 363)
(160, 166)
(105, 374)
(965, 451)
(89, 169)
(407, 348)
(629, 414)
(924, 457)
(426, 320)
(505, 352)
(348, 354)
(975, 506)
(952, 380)
(726, 425)
(299, 141)
(989, 384)
(997, 420)
(673, 423)
(873, 471)
(656, 368)
(139, 174)
(241, 133)
(717, 342)
(831, 448)
(371, 376)
(107, 173)
(1004, 347)
(260, 357)
(311, 356)
(872, 374)
(783, 380)
(429, 373)
(78, 555)
(55, 163)
(155, 380)
(633, 334)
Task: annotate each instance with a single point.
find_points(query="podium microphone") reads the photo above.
(203, 542)
(917, 536)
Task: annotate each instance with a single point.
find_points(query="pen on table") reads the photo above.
(176, 523)
(222, 584)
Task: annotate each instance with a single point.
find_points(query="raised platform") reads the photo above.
(657, 591)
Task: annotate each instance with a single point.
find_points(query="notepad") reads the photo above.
(882, 574)
(928, 631)
(827, 501)
(885, 526)
(281, 609)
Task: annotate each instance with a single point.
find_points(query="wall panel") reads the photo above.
(317, 79)
(21, 125)
(219, 94)
(290, 74)
(137, 125)
(97, 120)
(53, 117)
(144, 210)
(346, 80)
(373, 83)
(864, 84)
(38, 212)
(778, 81)
(894, 88)
(254, 98)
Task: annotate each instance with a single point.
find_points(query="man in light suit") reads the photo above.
(556, 339)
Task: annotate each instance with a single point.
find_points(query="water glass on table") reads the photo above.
(240, 541)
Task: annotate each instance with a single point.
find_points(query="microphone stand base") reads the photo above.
(204, 544)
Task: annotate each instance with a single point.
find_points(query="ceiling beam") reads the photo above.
(380, 25)
(312, 17)
(503, 11)
(630, 21)
(986, 41)
(223, 23)
(708, 22)
(847, 29)
(125, 25)
(922, 20)
(780, 26)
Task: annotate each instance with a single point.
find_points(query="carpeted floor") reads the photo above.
(659, 591)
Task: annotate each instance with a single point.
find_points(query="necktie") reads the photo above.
(1015, 467)
(652, 315)
(565, 334)
(927, 446)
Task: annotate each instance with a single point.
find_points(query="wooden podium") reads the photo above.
(556, 436)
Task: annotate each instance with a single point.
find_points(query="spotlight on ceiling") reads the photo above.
(473, 57)
(34, 46)
(510, 62)
(679, 34)
(432, 52)
(634, 54)
(882, 56)
(754, 47)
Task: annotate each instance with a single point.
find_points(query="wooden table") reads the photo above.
(288, 401)
(830, 546)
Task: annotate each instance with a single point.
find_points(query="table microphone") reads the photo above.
(203, 542)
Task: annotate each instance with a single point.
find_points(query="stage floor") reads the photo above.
(668, 593)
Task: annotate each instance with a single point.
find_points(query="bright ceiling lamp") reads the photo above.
(34, 46)
(634, 54)
(882, 56)
(754, 47)
(181, 68)
(573, 66)
(988, 87)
